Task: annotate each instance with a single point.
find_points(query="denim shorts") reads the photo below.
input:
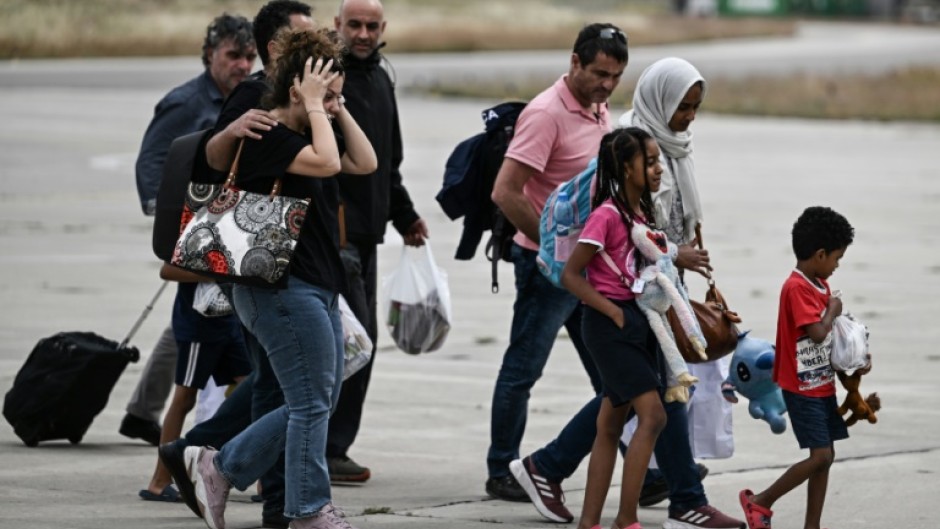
(816, 420)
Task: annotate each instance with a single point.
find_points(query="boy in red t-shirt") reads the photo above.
(801, 367)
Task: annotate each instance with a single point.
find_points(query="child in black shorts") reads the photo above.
(616, 332)
(207, 346)
(801, 365)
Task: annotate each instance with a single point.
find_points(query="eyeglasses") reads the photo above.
(609, 33)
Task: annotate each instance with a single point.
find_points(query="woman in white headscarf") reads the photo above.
(667, 97)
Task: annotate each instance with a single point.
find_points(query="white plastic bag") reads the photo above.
(417, 302)
(849, 344)
(356, 341)
(210, 301)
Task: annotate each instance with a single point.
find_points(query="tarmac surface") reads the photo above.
(76, 256)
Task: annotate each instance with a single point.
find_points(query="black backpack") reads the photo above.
(185, 163)
(469, 176)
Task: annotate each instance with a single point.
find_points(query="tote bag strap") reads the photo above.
(233, 172)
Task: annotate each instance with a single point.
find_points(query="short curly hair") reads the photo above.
(294, 47)
(820, 228)
(226, 26)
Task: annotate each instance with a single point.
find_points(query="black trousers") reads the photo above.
(359, 259)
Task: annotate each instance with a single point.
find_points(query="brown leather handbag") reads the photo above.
(718, 323)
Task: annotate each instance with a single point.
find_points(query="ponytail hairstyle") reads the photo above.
(617, 149)
(294, 47)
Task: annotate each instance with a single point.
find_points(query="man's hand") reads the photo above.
(694, 259)
(416, 234)
(249, 122)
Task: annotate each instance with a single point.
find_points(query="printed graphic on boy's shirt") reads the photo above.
(812, 362)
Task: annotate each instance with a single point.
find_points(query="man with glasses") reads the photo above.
(556, 136)
(541, 308)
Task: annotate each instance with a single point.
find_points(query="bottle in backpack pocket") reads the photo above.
(566, 233)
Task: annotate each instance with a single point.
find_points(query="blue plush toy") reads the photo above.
(750, 373)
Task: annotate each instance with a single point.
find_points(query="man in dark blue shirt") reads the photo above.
(228, 53)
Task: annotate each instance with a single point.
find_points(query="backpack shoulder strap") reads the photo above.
(614, 268)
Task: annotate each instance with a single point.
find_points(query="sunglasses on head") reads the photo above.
(610, 33)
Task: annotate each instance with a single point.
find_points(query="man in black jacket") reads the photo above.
(368, 204)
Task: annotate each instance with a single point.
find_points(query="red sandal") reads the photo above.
(757, 517)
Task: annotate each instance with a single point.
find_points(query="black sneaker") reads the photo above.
(171, 455)
(137, 428)
(658, 490)
(274, 521)
(506, 488)
(345, 470)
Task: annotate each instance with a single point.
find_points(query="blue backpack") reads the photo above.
(554, 249)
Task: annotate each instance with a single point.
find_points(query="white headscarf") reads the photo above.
(661, 88)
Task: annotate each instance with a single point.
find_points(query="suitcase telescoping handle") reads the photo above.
(143, 316)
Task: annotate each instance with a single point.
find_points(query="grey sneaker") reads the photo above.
(211, 488)
(329, 517)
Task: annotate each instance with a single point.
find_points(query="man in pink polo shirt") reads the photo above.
(556, 136)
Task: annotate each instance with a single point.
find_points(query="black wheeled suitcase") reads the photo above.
(66, 382)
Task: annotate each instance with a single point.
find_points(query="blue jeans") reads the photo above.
(228, 421)
(539, 312)
(251, 400)
(266, 396)
(300, 329)
(560, 458)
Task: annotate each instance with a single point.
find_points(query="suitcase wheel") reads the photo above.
(75, 440)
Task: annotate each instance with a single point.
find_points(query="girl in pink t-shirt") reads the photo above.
(615, 331)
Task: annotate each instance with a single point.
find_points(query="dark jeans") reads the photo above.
(539, 312)
(359, 260)
(560, 458)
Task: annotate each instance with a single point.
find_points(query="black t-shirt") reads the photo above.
(246, 95)
(316, 258)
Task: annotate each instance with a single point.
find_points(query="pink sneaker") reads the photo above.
(211, 488)
(329, 517)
